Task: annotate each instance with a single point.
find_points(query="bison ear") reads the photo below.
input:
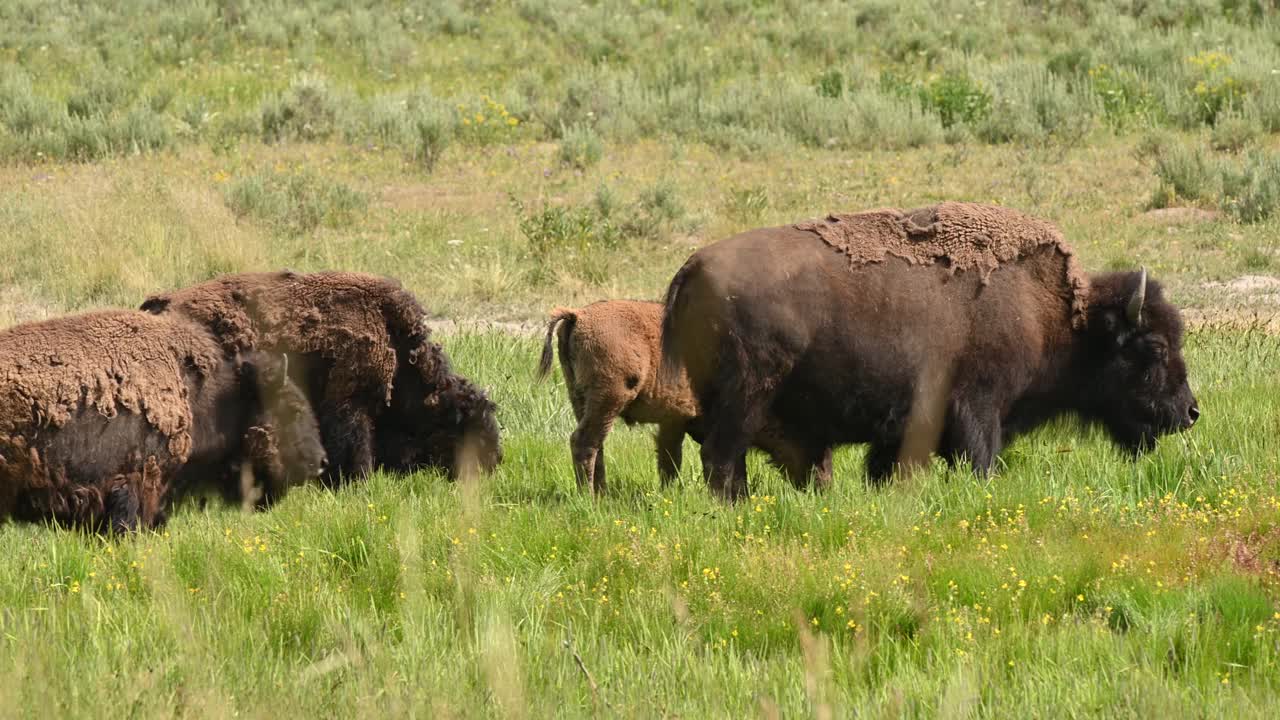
(155, 304)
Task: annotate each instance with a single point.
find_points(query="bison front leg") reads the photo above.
(725, 469)
(347, 434)
(802, 466)
(822, 471)
(882, 458)
(972, 432)
(670, 443)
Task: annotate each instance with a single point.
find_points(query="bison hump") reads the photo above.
(964, 237)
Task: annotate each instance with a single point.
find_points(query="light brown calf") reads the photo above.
(610, 356)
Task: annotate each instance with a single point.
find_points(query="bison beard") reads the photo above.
(384, 394)
(778, 323)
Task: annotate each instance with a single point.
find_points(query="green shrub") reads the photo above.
(1251, 190)
(655, 213)
(22, 110)
(1216, 87)
(560, 236)
(485, 121)
(1071, 63)
(580, 147)
(892, 122)
(746, 204)
(830, 84)
(307, 110)
(433, 134)
(1247, 188)
(1125, 97)
(956, 99)
(99, 96)
(1186, 173)
(1234, 133)
(295, 204)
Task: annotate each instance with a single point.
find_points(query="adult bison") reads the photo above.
(104, 417)
(384, 393)
(954, 327)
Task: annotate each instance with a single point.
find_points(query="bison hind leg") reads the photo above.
(595, 419)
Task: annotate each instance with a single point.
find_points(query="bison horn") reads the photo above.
(1134, 310)
(284, 369)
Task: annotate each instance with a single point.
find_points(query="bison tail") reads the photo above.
(674, 304)
(557, 315)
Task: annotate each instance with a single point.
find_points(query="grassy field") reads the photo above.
(501, 158)
(1074, 582)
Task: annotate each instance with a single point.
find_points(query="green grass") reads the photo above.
(1074, 581)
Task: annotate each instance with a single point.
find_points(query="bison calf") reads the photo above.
(610, 354)
(104, 417)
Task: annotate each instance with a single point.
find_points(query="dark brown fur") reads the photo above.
(776, 323)
(384, 394)
(610, 353)
(105, 416)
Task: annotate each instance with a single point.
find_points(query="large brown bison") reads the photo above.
(384, 394)
(104, 417)
(965, 324)
(610, 356)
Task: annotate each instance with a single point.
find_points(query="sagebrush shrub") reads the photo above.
(295, 204)
(581, 147)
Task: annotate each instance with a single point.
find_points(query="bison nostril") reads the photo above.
(1193, 413)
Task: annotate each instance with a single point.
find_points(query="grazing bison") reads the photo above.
(610, 357)
(951, 328)
(106, 416)
(384, 394)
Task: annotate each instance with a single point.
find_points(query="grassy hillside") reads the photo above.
(501, 158)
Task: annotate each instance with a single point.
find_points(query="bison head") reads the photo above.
(437, 419)
(1136, 377)
(295, 452)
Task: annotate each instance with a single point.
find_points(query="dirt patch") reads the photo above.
(1234, 319)
(1253, 288)
(1180, 216)
(451, 326)
(420, 197)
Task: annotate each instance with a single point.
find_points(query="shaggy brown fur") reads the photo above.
(104, 416)
(383, 392)
(610, 354)
(963, 236)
